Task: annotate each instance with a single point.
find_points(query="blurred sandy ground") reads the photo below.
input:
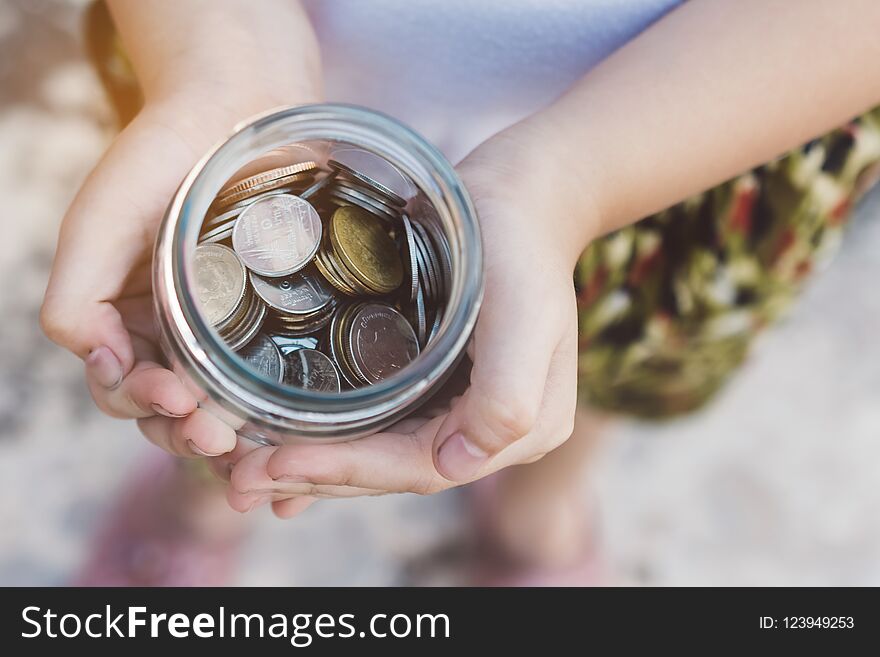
(777, 483)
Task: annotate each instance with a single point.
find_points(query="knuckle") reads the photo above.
(55, 322)
(508, 421)
(426, 484)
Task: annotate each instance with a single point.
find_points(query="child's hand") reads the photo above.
(203, 66)
(521, 399)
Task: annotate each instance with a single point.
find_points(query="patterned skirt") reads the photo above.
(669, 306)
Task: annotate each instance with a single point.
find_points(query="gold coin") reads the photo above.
(360, 242)
(329, 272)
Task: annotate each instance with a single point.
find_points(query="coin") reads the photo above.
(381, 341)
(239, 334)
(264, 357)
(431, 260)
(286, 344)
(309, 369)
(301, 293)
(366, 250)
(373, 170)
(277, 235)
(219, 280)
(410, 257)
(217, 236)
(318, 186)
(349, 193)
(267, 176)
(420, 318)
(435, 326)
(288, 181)
(335, 340)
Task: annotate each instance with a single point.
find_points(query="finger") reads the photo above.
(290, 508)
(383, 462)
(107, 231)
(512, 357)
(222, 465)
(251, 475)
(199, 434)
(555, 421)
(149, 389)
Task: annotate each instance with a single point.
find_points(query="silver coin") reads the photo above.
(421, 318)
(426, 282)
(224, 218)
(244, 331)
(381, 341)
(219, 282)
(435, 327)
(335, 347)
(366, 197)
(264, 357)
(375, 171)
(410, 259)
(302, 293)
(362, 201)
(309, 369)
(425, 214)
(217, 234)
(431, 263)
(287, 344)
(318, 186)
(277, 235)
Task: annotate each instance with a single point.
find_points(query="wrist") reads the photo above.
(523, 171)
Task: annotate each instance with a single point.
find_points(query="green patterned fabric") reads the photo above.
(669, 306)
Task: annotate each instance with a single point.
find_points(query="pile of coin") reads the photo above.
(324, 276)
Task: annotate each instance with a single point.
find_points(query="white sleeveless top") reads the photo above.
(460, 70)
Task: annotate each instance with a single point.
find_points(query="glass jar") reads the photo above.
(269, 412)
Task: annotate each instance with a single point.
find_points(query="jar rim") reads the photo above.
(215, 366)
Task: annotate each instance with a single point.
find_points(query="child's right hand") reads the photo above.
(99, 300)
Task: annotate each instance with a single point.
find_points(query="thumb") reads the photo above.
(106, 233)
(512, 351)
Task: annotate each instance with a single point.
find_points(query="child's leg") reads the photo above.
(541, 513)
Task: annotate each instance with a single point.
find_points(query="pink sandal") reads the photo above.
(147, 541)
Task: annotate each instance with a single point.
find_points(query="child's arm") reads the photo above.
(712, 90)
(204, 65)
(709, 91)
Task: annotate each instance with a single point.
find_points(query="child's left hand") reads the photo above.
(521, 399)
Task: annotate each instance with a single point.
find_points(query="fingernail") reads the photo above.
(161, 410)
(459, 459)
(105, 367)
(195, 449)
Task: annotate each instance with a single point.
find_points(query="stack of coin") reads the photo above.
(232, 200)
(300, 304)
(358, 256)
(370, 342)
(334, 279)
(225, 296)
